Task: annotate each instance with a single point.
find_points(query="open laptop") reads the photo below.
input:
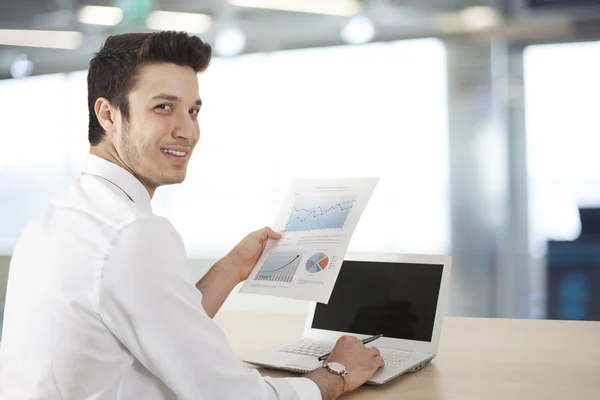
(400, 296)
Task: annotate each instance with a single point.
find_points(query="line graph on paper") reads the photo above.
(279, 267)
(314, 213)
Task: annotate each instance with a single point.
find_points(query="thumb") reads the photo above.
(268, 233)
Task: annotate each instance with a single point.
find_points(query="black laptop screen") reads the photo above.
(396, 299)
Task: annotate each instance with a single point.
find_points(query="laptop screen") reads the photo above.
(398, 300)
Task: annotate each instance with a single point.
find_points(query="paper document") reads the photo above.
(317, 219)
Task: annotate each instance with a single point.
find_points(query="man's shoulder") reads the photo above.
(148, 231)
(97, 199)
(101, 215)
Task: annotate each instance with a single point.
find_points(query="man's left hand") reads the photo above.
(245, 254)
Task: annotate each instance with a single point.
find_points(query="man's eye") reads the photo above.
(194, 111)
(165, 107)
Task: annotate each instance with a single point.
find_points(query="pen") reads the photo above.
(364, 341)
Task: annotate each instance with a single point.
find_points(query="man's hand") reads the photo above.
(245, 254)
(361, 363)
(232, 269)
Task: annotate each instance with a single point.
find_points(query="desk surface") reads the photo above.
(479, 358)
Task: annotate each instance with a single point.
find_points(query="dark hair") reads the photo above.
(114, 69)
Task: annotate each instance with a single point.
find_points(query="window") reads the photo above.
(35, 150)
(563, 137)
(372, 110)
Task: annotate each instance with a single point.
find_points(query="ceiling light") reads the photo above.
(358, 30)
(480, 18)
(331, 7)
(188, 22)
(230, 42)
(21, 67)
(449, 22)
(49, 39)
(98, 15)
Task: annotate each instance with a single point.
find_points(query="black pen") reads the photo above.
(364, 341)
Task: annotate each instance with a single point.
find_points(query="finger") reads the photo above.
(375, 351)
(379, 362)
(269, 233)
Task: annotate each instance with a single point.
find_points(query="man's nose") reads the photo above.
(185, 128)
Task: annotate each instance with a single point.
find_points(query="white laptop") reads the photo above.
(400, 296)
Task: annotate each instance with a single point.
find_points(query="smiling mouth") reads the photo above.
(174, 152)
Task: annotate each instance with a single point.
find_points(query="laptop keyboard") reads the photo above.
(392, 358)
(308, 348)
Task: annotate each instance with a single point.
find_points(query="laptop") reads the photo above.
(401, 296)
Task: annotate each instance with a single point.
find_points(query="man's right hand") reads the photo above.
(360, 361)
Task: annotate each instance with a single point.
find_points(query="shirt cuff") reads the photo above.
(304, 388)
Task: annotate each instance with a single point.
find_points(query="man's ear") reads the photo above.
(106, 114)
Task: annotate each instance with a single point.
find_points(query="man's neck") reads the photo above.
(111, 155)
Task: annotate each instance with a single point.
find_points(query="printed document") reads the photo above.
(317, 219)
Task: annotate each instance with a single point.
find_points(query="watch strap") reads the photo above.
(346, 376)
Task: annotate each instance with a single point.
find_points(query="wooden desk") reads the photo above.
(479, 359)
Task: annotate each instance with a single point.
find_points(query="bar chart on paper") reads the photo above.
(310, 214)
(279, 267)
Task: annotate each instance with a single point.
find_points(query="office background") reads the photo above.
(480, 117)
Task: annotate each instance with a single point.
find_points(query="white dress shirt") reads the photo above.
(101, 305)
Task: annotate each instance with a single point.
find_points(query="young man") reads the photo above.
(100, 301)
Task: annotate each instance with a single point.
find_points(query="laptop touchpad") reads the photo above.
(308, 363)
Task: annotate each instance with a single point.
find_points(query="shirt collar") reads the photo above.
(123, 179)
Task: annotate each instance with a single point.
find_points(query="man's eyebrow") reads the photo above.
(170, 97)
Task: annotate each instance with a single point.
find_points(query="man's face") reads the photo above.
(157, 142)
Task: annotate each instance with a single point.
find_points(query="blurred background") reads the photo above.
(480, 117)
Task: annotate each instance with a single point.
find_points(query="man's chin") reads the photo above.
(172, 179)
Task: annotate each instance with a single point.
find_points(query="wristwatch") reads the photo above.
(339, 369)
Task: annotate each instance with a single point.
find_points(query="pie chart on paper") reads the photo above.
(317, 262)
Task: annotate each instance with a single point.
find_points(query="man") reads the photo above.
(100, 301)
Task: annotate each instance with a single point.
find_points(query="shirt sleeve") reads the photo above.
(149, 301)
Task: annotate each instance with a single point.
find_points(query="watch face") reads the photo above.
(336, 367)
